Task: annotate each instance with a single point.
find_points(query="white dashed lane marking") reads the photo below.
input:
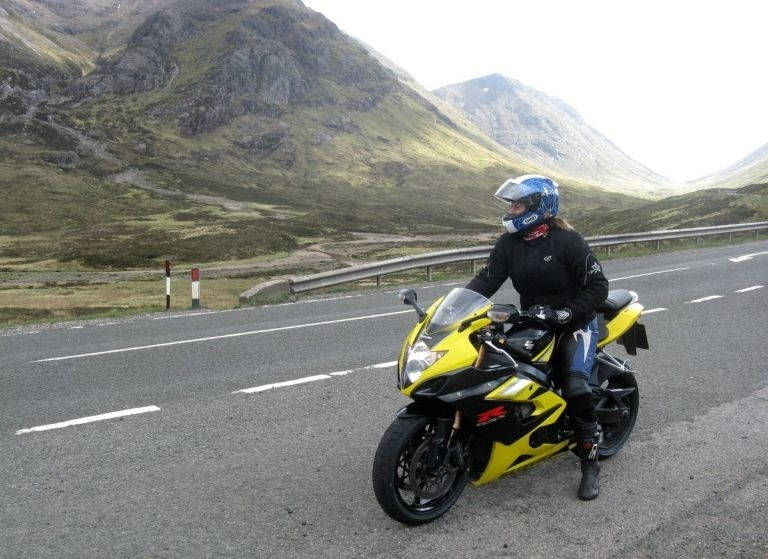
(649, 311)
(303, 380)
(90, 419)
(651, 274)
(282, 384)
(749, 289)
(709, 298)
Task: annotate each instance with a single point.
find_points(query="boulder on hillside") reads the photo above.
(266, 141)
(342, 123)
(62, 159)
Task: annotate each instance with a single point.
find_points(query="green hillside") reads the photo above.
(223, 131)
(715, 206)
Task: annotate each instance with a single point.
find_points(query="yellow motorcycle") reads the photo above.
(481, 376)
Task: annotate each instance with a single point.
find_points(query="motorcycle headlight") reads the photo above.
(418, 359)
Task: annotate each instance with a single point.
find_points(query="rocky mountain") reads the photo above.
(222, 129)
(550, 132)
(202, 130)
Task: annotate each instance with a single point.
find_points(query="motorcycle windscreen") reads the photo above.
(458, 305)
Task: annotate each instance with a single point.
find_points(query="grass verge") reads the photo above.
(46, 303)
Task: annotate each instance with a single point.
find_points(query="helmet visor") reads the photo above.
(512, 191)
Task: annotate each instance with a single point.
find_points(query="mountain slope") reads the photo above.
(714, 206)
(546, 130)
(202, 129)
(750, 170)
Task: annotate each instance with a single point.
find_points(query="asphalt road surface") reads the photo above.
(251, 433)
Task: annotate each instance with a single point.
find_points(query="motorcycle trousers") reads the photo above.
(576, 355)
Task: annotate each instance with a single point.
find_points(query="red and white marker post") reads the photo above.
(195, 288)
(167, 284)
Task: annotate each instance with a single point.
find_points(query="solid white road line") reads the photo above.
(649, 311)
(89, 419)
(749, 289)
(238, 334)
(264, 387)
(706, 299)
(651, 274)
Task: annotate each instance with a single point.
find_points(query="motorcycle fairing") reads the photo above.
(546, 353)
(413, 335)
(547, 409)
(622, 322)
(460, 353)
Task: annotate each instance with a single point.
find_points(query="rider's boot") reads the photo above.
(590, 470)
(586, 432)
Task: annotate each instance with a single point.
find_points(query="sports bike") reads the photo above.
(482, 378)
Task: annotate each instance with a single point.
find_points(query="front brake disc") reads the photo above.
(425, 483)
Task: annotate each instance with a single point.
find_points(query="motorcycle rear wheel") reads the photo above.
(616, 434)
(397, 486)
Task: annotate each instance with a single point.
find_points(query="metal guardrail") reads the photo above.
(472, 254)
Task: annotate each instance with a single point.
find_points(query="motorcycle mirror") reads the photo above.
(407, 296)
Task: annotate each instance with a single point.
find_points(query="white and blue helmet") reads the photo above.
(537, 192)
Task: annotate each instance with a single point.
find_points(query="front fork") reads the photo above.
(442, 451)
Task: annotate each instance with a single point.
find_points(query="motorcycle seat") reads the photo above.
(617, 299)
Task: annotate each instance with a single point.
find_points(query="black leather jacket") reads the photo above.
(558, 270)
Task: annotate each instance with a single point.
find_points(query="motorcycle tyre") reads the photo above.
(622, 380)
(392, 444)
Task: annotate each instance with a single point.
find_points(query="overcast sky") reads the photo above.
(680, 86)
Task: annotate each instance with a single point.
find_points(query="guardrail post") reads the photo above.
(378, 281)
(658, 245)
(607, 250)
(757, 232)
(697, 239)
(473, 268)
(429, 273)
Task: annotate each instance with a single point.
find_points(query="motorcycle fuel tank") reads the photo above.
(527, 341)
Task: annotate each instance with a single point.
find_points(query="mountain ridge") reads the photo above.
(546, 129)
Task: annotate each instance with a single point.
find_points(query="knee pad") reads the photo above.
(579, 397)
(575, 386)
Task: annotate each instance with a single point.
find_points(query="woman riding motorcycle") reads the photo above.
(558, 278)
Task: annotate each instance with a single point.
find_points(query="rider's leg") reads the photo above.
(577, 354)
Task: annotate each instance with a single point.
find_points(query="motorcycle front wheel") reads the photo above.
(405, 487)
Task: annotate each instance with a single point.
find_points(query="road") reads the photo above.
(198, 467)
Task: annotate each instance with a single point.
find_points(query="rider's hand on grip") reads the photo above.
(555, 317)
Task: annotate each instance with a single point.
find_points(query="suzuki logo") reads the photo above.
(493, 414)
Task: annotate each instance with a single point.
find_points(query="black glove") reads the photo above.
(555, 317)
